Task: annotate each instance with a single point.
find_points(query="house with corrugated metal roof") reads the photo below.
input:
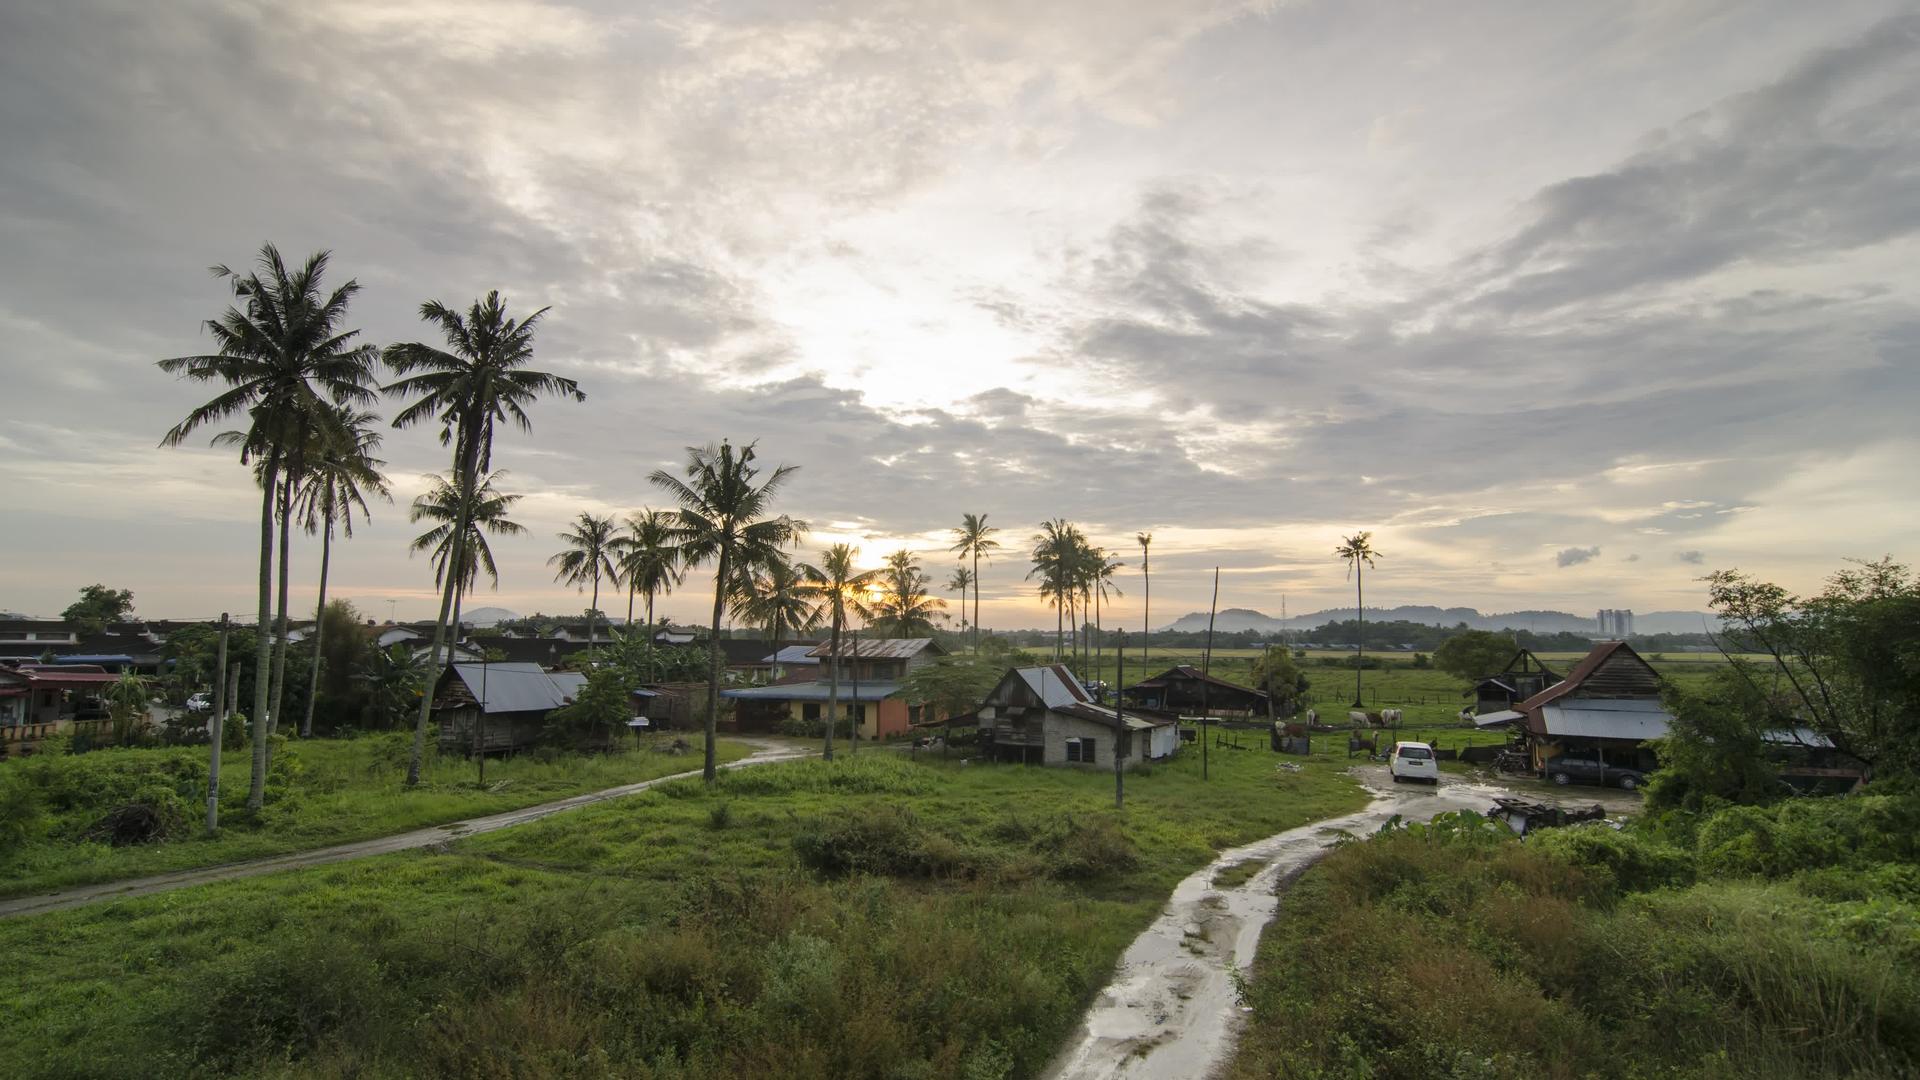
(1185, 690)
(38, 701)
(1607, 708)
(509, 702)
(1043, 715)
(1524, 676)
(871, 672)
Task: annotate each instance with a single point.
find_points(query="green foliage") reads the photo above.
(98, 606)
(1276, 672)
(1714, 751)
(599, 713)
(20, 812)
(1472, 654)
(952, 685)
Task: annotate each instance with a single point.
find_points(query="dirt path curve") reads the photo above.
(1171, 1011)
(766, 753)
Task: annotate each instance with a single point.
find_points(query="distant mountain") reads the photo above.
(488, 616)
(1543, 622)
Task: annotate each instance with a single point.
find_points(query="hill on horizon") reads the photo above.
(1231, 620)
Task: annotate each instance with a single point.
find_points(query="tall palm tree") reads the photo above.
(281, 354)
(962, 580)
(1146, 602)
(1101, 569)
(841, 591)
(486, 513)
(973, 538)
(587, 558)
(1357, 551)
(649, 558)
(480, 379)
(725, 517)
(1053, 555)
(340, 477)
(778, 598)
(905, 609)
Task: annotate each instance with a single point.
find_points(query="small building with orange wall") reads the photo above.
(871, 673)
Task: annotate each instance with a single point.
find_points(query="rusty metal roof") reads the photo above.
(879, 648)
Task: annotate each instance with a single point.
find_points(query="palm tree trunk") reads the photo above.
(1360, 639)
(1096, 635)
(280, 623)
(592, 611)
(976, 599)
(319, 622)
(649, 616)
(708, 772)
(1146, 614)
(263, 641)
(1059, 628)
(456, 561)
(833, 687)
(630, 592)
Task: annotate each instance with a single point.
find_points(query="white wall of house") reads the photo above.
(1060, 728)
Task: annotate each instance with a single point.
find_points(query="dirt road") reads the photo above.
(766, 752)
(1171, 1011)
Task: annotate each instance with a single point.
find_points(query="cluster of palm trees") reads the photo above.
(299, 379)
(1076, 577)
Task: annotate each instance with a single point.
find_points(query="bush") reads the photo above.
(1632, 863)
(888, 841)
(1087, 849)
(20, 813)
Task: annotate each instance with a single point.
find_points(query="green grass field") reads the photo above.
(326, 791)
(882, 916)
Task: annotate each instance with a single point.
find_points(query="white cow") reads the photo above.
(1312, 717)
(1390, 717)
(1358, 717)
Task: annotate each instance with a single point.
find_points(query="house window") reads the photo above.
(1080, 750)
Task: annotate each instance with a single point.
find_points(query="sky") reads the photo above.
(1567, 304)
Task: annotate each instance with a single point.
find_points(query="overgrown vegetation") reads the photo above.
(1763, 942)
(876, 916)
(117, 813)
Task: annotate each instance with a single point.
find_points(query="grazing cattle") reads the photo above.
(1355, 744)
(1358, 717)
(1313, 717)
(1466, 715)
(1390, 717)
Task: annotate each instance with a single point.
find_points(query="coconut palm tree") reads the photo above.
(962, 580)
(1357, 551)
(281, 353)
(1146, 609)
(587, 558)
(777, 597)
(1101, 568)
(480, 379)
(649, 559)
(1053, 554)
(340, 477)
(841, 591)
(725, 518)
(486, 512)
(972, 539)
(905, 609)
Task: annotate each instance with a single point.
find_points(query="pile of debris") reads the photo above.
(1522, 815)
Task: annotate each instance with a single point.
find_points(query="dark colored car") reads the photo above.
(1585, 770)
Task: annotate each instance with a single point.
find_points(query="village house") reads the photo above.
(38, 701)
(510, 703)
(1043, 715)
(1523, 677)
(1606, 709)
(871, 672)
(1185, 690)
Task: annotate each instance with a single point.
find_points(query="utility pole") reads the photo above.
(1119, 723)
(217, 729)
(859, 710)
(1206, 668)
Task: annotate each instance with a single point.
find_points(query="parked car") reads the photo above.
(1413, 761)
(200, 702)
(1565, 770)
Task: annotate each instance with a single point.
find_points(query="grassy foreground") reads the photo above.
(1776, 942)
(320, 792)
(880, 917)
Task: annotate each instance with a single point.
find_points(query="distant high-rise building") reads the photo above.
(1615, 623)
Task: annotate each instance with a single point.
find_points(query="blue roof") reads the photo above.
(813, 691)
(94, 658)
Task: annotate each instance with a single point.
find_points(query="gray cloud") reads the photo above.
(1692, 558)
(1574, 556)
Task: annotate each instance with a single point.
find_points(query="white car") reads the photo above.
(1413, 761)
(199, 702)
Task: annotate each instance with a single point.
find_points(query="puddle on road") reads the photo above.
(1171, 1010)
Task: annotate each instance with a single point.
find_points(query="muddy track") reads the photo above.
(1172, 1010)
(79, 895)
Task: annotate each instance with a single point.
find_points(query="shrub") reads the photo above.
(887, 841)
(1087, 849)
(1631, 862)
(20, 813)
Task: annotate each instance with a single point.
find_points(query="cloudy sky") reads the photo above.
(1568, 303)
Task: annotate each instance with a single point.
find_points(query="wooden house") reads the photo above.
(1606, 708)
(510, 703)
(1523, 677)
(1187, 691)
(1043, 715)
